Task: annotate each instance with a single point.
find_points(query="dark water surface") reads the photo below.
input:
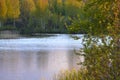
(37, 58)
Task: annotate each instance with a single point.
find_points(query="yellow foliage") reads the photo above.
(75, 3)
(59, 1)
(3, 9)
(28, 5)
(42, 4)
(13, 8)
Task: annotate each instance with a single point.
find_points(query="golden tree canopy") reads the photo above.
(42, 4)
(13, 10)
(3, 9)
(28, 5)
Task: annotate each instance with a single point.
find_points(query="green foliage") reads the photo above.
(71, 75)
(38, 16)
(100, 20)
(2, 28)
(102, 61)
(52, 20)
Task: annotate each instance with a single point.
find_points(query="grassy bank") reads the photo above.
(73, 75)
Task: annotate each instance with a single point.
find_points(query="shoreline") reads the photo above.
(7, 34)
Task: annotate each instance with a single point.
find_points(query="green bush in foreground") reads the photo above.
(101, 63)
(100, 19)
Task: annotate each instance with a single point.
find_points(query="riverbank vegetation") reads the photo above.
(100, 19)
(38, 16)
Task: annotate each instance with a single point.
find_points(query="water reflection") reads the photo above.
(27, 65)
(32, 64)
(42, 60)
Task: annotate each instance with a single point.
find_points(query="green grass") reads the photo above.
(73, 75)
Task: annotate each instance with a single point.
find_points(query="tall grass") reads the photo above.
(72, 75)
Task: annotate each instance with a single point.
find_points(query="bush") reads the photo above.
(101, 20)
(7, 28)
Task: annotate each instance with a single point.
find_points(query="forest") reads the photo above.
(99, 20)
(38, 16)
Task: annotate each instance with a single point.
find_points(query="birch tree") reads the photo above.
(13, 9)
(3, 10)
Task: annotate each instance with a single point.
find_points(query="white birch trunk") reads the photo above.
(0, 23)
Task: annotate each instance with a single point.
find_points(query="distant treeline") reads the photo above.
(38, 16)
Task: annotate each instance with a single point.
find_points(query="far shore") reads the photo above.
(9, 34)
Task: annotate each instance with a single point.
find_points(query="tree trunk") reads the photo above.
(0, 24)
(14, 23)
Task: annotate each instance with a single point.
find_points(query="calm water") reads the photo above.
(37, 58)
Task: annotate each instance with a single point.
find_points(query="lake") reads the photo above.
(38, 58)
